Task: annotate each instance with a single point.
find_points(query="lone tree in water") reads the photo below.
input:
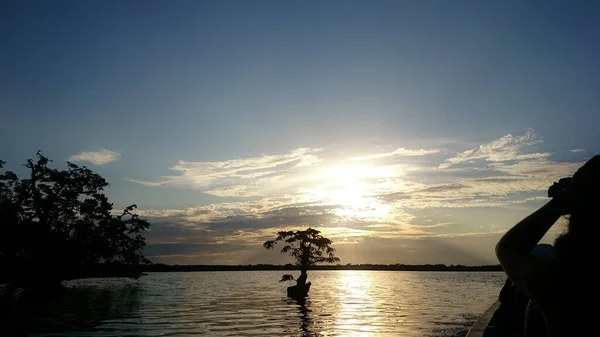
(58, 225)
(308, 247)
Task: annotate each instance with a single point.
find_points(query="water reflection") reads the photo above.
(303, 306)
(356, 304)
(340, 303)
(70, 309)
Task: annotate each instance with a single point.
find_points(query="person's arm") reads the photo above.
(515, 247)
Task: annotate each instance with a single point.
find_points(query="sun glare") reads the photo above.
(351, 189)
(350, 195)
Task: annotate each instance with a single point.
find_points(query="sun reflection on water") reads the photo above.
(356, 304)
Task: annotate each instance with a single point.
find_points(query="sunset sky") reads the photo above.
(407, 131)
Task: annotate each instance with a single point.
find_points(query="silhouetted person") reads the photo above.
(509, 318)
(516, 316)
(535, 326)
(561, 288)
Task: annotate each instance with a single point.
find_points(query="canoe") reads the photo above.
(298, 291)
(482, 327)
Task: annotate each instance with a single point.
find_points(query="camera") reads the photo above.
(561, 189)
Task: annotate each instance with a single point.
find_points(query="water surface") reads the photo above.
(253, 303)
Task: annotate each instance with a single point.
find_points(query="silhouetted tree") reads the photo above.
(57, 225)
(308, 247)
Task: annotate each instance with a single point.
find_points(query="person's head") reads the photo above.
(584, 217)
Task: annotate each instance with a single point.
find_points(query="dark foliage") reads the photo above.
(57, 225)
(308, 248)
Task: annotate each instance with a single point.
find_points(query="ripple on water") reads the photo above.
(341, 303)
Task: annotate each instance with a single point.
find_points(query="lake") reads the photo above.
(254, 303)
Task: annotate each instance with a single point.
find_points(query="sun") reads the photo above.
(349, 194)
(350, 190)
(343, 186)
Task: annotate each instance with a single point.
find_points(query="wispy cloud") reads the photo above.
(238, 177)
(398, 152)
(98, 157)
(577, 150)
(509, 167)
(353, 199)
(506, 148)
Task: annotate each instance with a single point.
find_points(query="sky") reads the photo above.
(406, 131)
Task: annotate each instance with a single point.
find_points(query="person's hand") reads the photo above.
(560, 192)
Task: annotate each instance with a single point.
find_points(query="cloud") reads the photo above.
(354, 201)
(398, 152)
(246, 177)
(508, 167)
(145, 183)
(447, 250)
(577, 150)
(249, 224)
(506, 148)
(98, 157)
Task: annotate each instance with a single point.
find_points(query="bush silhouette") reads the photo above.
(308, 247)
(57, 225)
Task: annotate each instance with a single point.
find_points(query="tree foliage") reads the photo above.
(57, 224)
(308, 247)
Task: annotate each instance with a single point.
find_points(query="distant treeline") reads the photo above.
(123, 270)
(159, 267)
